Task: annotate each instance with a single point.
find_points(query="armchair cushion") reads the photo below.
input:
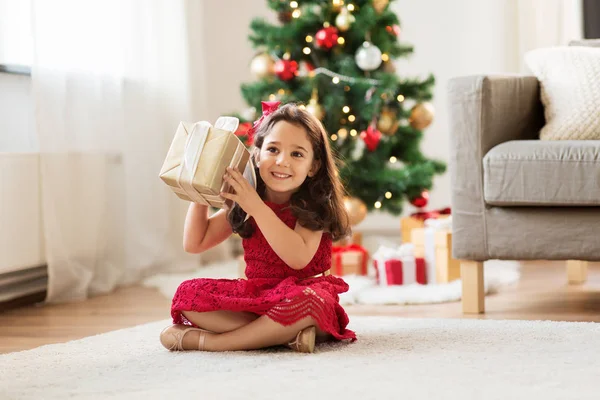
(570, 91)
(543, 173)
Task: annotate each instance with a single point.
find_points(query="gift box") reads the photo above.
(355, 238)
(407, 224)
(198, 158)
(399, 266)
(349, 260)
(417, 220)
(434, 243)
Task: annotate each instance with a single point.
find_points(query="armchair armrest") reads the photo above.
(484, 112)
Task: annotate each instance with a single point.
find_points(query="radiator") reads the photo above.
(22, 259)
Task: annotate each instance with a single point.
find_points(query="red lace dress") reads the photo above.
(283, 294)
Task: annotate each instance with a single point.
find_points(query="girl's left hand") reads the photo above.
(245, 195)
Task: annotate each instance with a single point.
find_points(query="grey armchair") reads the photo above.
(515, 197)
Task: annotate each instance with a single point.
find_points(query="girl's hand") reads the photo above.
(245, 195)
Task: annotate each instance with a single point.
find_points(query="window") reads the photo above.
(16, 39)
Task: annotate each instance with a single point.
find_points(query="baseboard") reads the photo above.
(23, 301)
(22, 288)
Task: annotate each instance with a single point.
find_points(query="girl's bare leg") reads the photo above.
(220, 321)
(260, 333)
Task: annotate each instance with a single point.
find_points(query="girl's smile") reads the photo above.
(285, 160)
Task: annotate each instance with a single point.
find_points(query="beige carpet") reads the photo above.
(394, 358)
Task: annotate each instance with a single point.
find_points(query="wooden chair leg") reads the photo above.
(473, 294)
(577, 271)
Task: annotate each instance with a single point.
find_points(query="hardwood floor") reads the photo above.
(541, 294)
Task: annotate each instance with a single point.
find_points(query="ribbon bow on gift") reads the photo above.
(433, 214)
(268, 107)
(439, 224)
(402, 251)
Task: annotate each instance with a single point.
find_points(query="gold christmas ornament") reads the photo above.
(336, 5)
(314, 107)
(357, 210)
(344, 20)
(421, 115)
(380, 5)
(387, 122)
(262, 66)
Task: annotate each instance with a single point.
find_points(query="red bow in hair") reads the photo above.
(267, 108)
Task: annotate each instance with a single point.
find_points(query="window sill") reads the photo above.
(15, 69)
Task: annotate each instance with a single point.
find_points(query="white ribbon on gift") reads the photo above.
(439, 224)
(193, 150)
(431, 227)
(404, 253)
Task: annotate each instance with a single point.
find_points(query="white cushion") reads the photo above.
(570, 90)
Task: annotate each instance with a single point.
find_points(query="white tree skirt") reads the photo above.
(363, 289)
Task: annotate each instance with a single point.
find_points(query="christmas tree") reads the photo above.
(335, 57)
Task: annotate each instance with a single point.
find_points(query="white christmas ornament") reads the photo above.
(368, 57)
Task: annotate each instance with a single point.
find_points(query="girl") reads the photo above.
(289, 298)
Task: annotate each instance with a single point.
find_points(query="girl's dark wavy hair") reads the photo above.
(319, 202)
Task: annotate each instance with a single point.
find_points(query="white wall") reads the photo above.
(16, 114)
(450, 38)
(228, 52)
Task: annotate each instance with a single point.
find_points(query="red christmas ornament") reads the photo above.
(421, 200)
(327, 37)
(371, 137)
(243, 130)
(393, 30)
(286, 69)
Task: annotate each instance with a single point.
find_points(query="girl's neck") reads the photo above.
(277, 198)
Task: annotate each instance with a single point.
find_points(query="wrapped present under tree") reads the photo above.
(434, 243)
(349, 260)
(417, 220)
(399, 266)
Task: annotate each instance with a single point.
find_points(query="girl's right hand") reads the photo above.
(245, 195)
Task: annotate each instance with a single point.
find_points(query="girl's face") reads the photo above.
(286, 158)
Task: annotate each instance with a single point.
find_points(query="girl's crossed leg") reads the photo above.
(220, 321)
(242, 331)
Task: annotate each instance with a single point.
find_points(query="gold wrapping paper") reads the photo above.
(407, 224)
(197, 161)
(352, 263)
(447, 268)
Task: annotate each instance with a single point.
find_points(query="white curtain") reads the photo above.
(111, 80)
(546, 23)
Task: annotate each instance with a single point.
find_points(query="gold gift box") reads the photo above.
(447, 268)
(198, 158)
(351, 263)
(407, 224)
